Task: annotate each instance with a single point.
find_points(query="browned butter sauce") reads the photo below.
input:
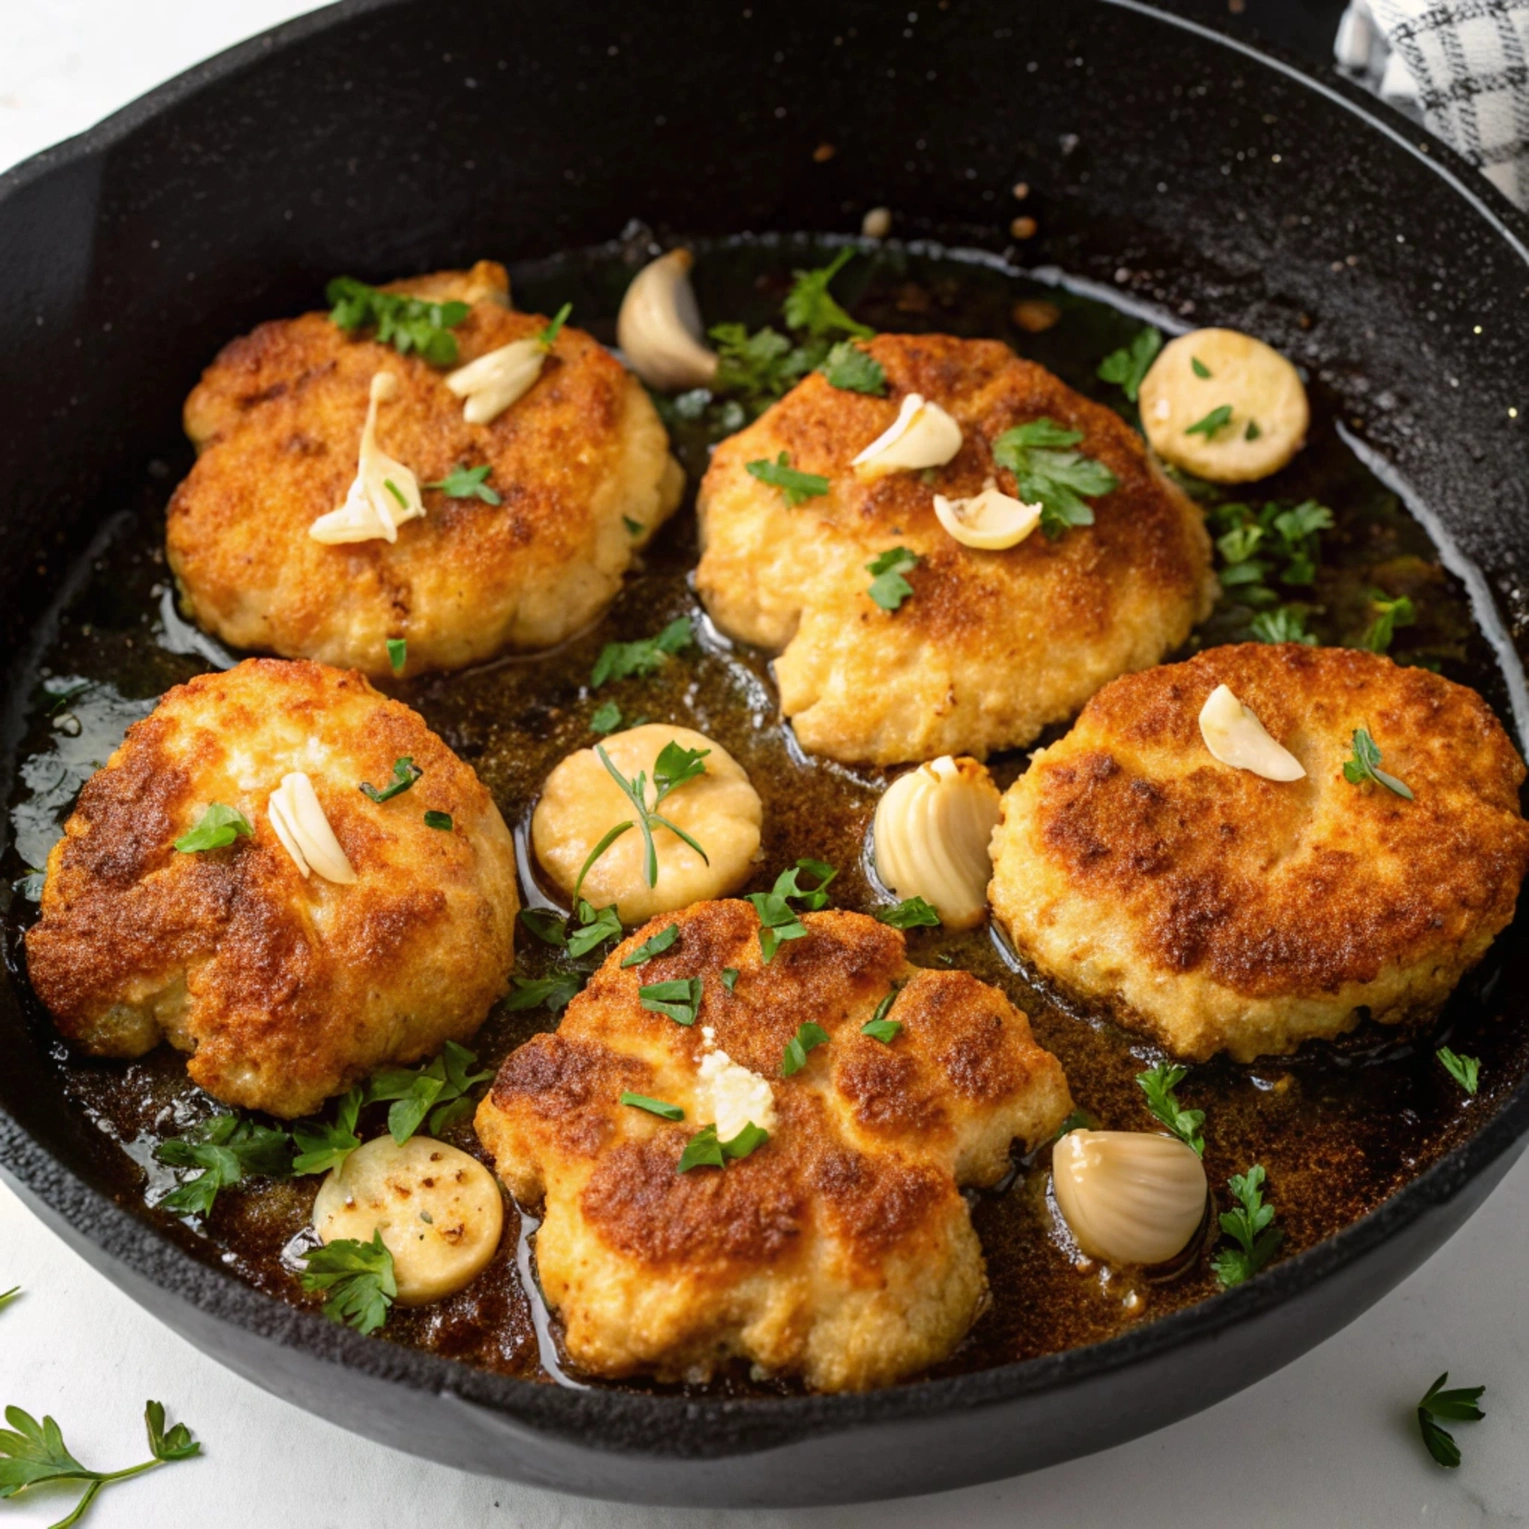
(1338, 1128)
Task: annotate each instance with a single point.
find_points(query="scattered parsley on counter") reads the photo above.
(1159, 1085)
(795, 487)
(878, 1026)
(910, 913)
(467, 483)
(1249, 1226)
(778, 920)
(442, 1090)
(1457, 1406)
(1389, 614)
(405, 773)
(34, 1454)
(358, 1279)
(1129, 365)
(7, 1296)
(807, 1037)
(1465, 1070)
(227, 1150)
(548, 337)
(405, 323)
(854, 369)
(606, 718)
(324, 1144)
(1365, 765)
(703, 1150)
(622, 660)
(654, 947)
(888, 586)
(440, 820)
(1213, 423)
(556, 992)
(398, 653)
(673, 768)
(219, 826)
(653, 1106)
(680, 1000)
(1048, 472)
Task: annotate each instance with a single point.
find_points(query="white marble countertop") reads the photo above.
(1328, 1441)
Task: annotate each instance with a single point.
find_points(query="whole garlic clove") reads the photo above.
(496, 380)
(299, 823)
(991, 520)
(1237, 738)
(384, 493)
(923, 435)
(932, 830)
(1129, 1197)
(659, 327)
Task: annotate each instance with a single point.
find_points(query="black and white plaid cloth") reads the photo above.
(1460, 65)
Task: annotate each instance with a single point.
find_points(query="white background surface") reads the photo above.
(1328, 1441)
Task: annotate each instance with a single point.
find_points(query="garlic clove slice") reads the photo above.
(922, 435)
(1237, 738)
(731, 1097)
(1129, 1197)
(659, 326)
(932, 830)
(498, 379)
(991, 520)
(299, 823)
(384, 493)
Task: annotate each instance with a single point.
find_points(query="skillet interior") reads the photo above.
(364, 147)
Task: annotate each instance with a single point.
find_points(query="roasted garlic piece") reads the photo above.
(495, 381)
(439, 1211)
(931, 833)
(1236, 737)
(923, 435)
(659, 326)
(1129, 1197)
(990, 521)
(298, 821)
(384, 493)
(1224, 406)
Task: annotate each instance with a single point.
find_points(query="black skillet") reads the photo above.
(387, 137)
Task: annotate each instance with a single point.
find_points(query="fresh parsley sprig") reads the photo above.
(647, 655)
(405, 773)
(1465, 1070)
(464, 482)
(405, 323)
(1049, 472)
(605, 718)
(1365, 766)
(795, 487)
(325, 1144)
(854, 369)
(357, 1278)
(1250, 1226)
(1130, 364)
(442, 1089)
(778, 920)
(217, 828)
(888, 586)
(1287, 623)
(1158, 1085)
(226, 1149)
(808, 1036)
(910, 913)
(34, 1454)
(809, 305)
(1455, 1406)
(674, 767)
(1389, 614)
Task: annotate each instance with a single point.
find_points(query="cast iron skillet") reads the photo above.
(385, 137)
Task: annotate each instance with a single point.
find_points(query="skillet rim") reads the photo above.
(588, 1415)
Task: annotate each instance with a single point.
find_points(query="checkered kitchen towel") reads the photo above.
(1462, 65)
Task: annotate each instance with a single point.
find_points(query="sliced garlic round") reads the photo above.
(659, 326)
(991, 520)
(496, 380)
(439, 1211)
(932, 830)
(298, 821)
(1237, 738)
(383, 494)
(1211, 370)
(1129, 1197)
(922, 435)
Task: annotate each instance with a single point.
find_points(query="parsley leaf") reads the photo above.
(878, 1026)
(405, 323)
(1249, 1227)
(680, 999)
(654, 947)
(889, 588)
(440, 820)
(1465, 1070)
(556, 992)
(1365, 765)
(854, 369)
(910, 913)
(778, 920)
(673, 768)
(358, 1277)
(1457, 1406)
(807, 1037)
(547, 925)
(227, 1149)
(323, 1144)
(729, 977)
(1199, 368)
(405, 773)
(442, 1090)
(795, 487)
(1129, 365)
(1158, 1085)
(1389, 614)
(596, 926)
(1218, 419)
(759, 367)
(467, 483)
(548, 337)
(621, 660)
(653, 1106)
(1285, 624)
(606, 718)
(219, 826)
(703, 1150)
(809, 305)
(398, 653)
(1049, 473)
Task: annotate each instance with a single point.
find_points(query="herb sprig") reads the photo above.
(795, 487)
(808, 1037)
(1049, 472)
(464, 482)
(405, 323)
(1365, 766)
(1455, 1406)
(405, 773)
(442, 1089)
(704, 1150)
(853, 369)
(647, 655)
(889, 588)
(1250, 1226)
(674, 767)
(1465, 1070)
(878, 1026)
(358, 1280)
(1158, 1085)
(910, 913)
(778, 920)
(1130, 364)
(226, 1149)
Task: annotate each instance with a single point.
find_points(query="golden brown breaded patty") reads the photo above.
(991, 646)
(841, 1250)
(1219, 911)
(277, 421)
(284, 990)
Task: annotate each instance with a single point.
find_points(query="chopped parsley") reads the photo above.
(405, 773)
(1130, 364)
(910, 913)
(219, 826)
(398, 653)
(1465, 1070)
(227, 1149)
(606, 718)
(878, 1026)
(1258, 549)
(680, 1000)
(1199, 368)
(795, 487)
(807, 1037)
(1048, 472)
(729, 977)
(1159, 1085)
(325, 1144)
(1389, 614)
(653, 947)
(396, 492)
(1252, 433)
(357, 1278)
(548, 337)
(674, 767)
(1250, 1227)
(758, 367)
(596, 926)
(854, 369)
(778, 920)
(547, 925)
(1457, 1406)
(888, 586)
(634, 528)
(555, 992)
(442, 1090)
(440, 820)
(703, 1150)
(467, 483)
(1365, 765)
(1217, 420)
(405, 323)
(622, 660)
(653, 1106)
